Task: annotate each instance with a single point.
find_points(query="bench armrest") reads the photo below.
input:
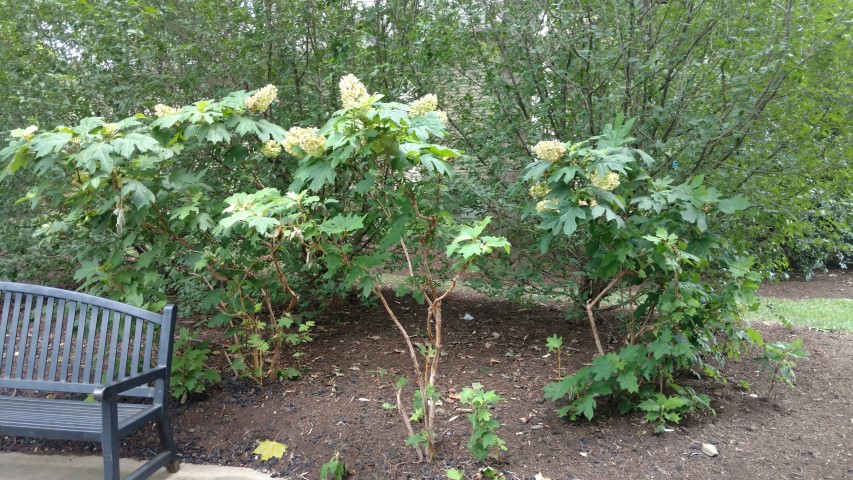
(112, 389)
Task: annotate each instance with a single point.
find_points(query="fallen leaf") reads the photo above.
(584, 454)
(496, 335)
(268, 449)
(539, 476)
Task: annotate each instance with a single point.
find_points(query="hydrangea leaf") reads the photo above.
(268, 449)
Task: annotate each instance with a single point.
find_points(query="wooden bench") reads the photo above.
(57, 341)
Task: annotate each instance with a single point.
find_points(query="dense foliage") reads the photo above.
(753, 95)
(717, 144)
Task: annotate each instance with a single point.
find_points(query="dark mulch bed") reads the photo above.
(337, 405)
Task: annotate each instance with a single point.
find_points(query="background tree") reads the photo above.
(753, 95)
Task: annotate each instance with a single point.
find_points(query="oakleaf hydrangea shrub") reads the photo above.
(143, 200)
(249, 210)
(643, 246)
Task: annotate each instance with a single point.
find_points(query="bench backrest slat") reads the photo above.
(125, 346)
(91, 332)
(57, 334)
(28, 349)
(149, 341)
(111, 360)
(79, 341)
(20, 354)
(137, 340)
(71, 310)
(4, 321)
(44, 352)
(56, 340)
(103, 347)
(11, 338)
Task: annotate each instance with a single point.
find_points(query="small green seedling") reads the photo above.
(483, 439)
(491, 474)
(334, 468)
(661, 409)
(454, 474)
(555, 344)
(779, 357)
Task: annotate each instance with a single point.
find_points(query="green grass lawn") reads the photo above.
(824, 314)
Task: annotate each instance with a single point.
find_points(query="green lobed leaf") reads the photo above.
(734, 204)
(50, 143)
(628, 382)
(140, 195)
(342, 224)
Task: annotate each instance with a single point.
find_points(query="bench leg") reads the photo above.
(167, 443)
(109, 442)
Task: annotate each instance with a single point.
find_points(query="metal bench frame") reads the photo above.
(110, 358)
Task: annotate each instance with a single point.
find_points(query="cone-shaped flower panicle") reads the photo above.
(307, 139)
(353, 92)
(164, 110)
(427, 103)
(607, 182)
(25, 133)
(262, 99)
(292, 140)
(271, 149)
(546, 205)
(539, 190)
(312, 143)
(441, 116)
(549, 150)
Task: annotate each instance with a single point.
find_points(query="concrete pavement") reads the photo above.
(18, 466)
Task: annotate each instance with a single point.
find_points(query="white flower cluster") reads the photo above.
(25, 133)
(271, 149)
(441, 116)
(539, 190)
(261, 100)
(313, 144)
(549, 150)
(353, 92)
(241, 204)
(546, 205)
(608, 182)
(164, 110)
(306, 139)
(425, 104)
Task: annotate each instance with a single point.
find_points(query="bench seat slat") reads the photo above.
(67, 387)
(69, 419)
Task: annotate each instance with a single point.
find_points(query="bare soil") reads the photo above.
(337, 405)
